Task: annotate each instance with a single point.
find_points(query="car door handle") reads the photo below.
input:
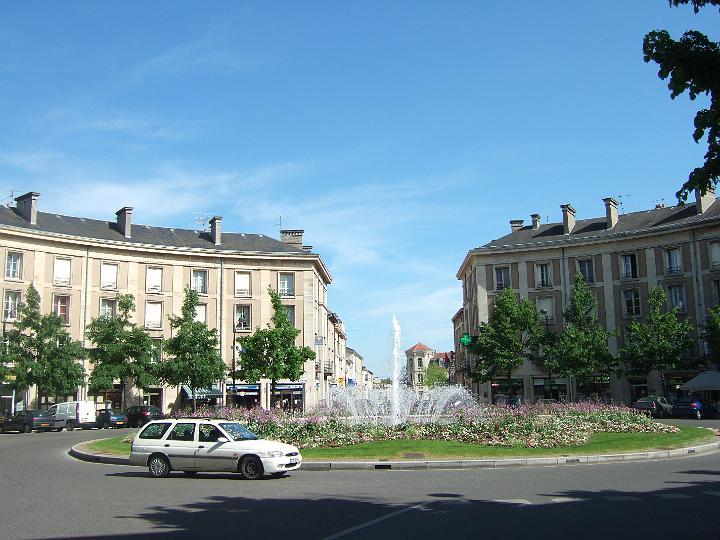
(167, 446)
(201, 446)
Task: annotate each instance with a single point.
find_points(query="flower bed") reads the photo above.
(528, 426)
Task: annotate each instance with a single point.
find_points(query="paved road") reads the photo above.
(46, 494)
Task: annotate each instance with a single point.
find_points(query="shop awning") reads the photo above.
(202, 393)
(246, 387)
(707, 380)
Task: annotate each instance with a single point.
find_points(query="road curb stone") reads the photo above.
(83, 453)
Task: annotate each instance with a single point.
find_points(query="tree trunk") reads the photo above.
(511, 390)
(194, 400)
(272, 393)
(122, 394)
(662, 382)
(550, 384)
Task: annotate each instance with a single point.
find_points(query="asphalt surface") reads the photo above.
(44, 493)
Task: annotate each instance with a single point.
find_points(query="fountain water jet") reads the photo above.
(401, 404)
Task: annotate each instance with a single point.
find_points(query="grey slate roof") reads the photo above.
(595, 228)
(144, 234)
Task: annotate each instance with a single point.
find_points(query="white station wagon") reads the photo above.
(199, 444)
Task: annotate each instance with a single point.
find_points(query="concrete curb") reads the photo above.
(80, 451)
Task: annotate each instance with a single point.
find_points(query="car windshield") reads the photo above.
(39, 413)
(114, 411)
(644, 400)
(238, 432)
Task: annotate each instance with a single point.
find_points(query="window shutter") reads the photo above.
(61, 272)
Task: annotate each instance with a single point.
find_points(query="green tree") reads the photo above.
(271, 353)
(693, 64)
(711, 329)
(581, 350)
(193, 355)
(42, 352)
(660, 342)
(436, 375)
(122, 351)
(510, 336)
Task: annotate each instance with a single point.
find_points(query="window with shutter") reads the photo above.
(108, 276)
(242, 284)
(61, 272)
(153, 314)
(153, 280)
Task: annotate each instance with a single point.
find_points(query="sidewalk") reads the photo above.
(82, 452)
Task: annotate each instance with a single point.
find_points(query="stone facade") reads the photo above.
(621, 256)
(78, 266)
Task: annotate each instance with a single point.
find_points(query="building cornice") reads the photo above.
(586, 240)
(162, 249)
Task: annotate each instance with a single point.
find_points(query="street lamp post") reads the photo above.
(234, 388)
(544, 313)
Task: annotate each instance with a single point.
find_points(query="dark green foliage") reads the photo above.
(42, 352)
(712, 333)
(692, 64)
(271, 353)
(658, 343)
(193, 355)
(581, 350)
(122, 351)
(511, 335)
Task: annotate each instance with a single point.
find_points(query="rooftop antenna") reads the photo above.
(620, 200)
(8, 200)
(279, 224)
(202, 219)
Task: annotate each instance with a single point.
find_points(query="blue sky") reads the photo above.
(397, 134)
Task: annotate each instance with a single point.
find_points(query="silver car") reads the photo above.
(198, 444)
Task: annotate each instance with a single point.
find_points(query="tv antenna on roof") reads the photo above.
(8, 199)
(620, 200)
(279, 223)
(202, 219)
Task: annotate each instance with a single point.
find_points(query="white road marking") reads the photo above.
(673, 496)
(566, 499)
(621, 498)
(371, 522)
(512, 501)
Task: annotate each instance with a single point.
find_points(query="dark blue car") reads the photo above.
(695, 407)
(111, 418)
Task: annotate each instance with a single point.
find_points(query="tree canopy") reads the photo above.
(581, 350)
(42, 352)
(660, 342)
(510, 336)
(435, 375)
(693, 65)
(122, 351)
(193, 351)
(712, 333)
(271, 353)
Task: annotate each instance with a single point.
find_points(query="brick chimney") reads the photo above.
(611, 215)
(535, 221)
(27, 206)
(215, 223)
(568, 218)
(292, 237)
(702, 202)
(124, 221)
(516, 224)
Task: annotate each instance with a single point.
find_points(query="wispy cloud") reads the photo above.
(208, 51)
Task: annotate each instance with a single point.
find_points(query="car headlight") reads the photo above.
(275, 453)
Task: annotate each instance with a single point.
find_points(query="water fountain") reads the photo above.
(400, 403)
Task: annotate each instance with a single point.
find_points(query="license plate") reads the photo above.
(119, 423)
(44, 425)
(294, 460)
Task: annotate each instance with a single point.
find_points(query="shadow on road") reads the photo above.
(690, 508)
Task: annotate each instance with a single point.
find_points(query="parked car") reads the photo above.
(73, 414)
(27, 421)
(695, 407)
(656, 406)
(140, 415)
(192, 444)
(111, 418)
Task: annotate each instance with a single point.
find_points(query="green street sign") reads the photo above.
(466, 339)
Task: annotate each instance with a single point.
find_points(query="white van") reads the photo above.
(73, 414)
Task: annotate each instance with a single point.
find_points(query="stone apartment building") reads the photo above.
(418, 358)
(621, 257)
(79, 265)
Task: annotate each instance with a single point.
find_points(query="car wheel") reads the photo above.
(251, 468)
(698, 415)
(69, 426)
(190, 473)
(158, 466)
(26, 428)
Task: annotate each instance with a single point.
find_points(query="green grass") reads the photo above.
(111, 446)
(600, 443)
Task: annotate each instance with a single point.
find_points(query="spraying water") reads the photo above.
(401, 403)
